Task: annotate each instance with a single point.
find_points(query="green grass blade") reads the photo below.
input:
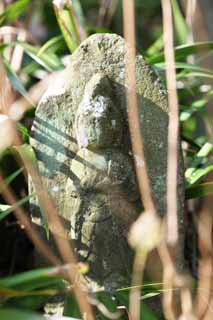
(186, 66)
(12, 177)
(194, 173)
(14, 10)
(195, 74)
(9, 313)
(52, 45)
(199, 174)
(48, 61)
(156, 47)
(19, 203)
(182, 52)
(199, 190)
(30, 280)
(24, 132)
(66, 18)
(28, 155)
(16, 82)
(180, 23)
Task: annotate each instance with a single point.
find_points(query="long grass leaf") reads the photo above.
(12, 176)
(9, 313)
(199, 190)
(16, 82)
(10, 209)
(180, 23)
(66, 18)
(186, 66)
(182, 52)
(31, 280)
(14, 10)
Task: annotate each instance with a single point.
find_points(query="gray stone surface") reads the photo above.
(81, 138)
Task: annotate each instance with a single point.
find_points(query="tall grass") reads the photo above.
(24, 62)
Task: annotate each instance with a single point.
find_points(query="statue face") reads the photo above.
(98, 122)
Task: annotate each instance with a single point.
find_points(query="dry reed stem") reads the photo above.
(168, 281)
(61, 238)
(55, 224)
(173, 129)
(172, 159)
(132, 103)
(79, 28)
(137, 277)
(190, 13)
(106, 12)
(205, 284)
(18, 51)
(6, 94)
(137, 144)
(40, 245)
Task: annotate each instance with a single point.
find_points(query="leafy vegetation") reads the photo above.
(61, 30)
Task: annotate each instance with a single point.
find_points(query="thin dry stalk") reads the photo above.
(172, 160)
(168, 282)
(173, 129)
(79, 28)
(133, 113)
(137, 144)
(22, 216)
(205, 284)
(6, 95)
(54, 221)
(18, 51)
(71, 273)
(106, 12)
(137, 277)
(14, 31)
(190, 12)
(60, 236)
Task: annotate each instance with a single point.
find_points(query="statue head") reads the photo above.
(98, 123)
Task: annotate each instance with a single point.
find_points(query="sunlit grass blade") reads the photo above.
(4, 207)
(180, 23)
(24, 132)
(12, 177)
(10, 209)
(81, 19)
(181, 52)
(195, 74)
(49, 61)
(27, 154)
(199, 190)
(150, 295)
(191, 142)
(8, 293)
(199, 174)
(52, 45)
(156, 47)
(31, 280)
(14, 10)
(202, 154)
(16, 82)
(199, 166)
(66, 18)
(186, 66)
(196, 106)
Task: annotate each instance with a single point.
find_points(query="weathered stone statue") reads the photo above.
(81, 139)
